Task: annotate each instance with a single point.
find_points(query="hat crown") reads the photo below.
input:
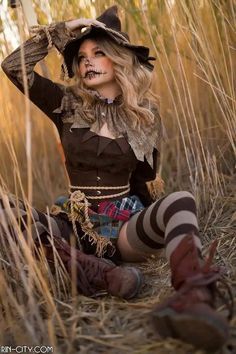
(110, 18)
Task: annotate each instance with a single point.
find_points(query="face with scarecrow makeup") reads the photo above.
(96, 70)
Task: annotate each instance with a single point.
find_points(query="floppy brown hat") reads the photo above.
(111, 28)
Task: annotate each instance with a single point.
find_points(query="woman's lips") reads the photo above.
(91, 74)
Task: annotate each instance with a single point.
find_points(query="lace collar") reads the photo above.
(117, 100)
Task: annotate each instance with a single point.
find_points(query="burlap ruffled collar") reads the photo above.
(142, 140)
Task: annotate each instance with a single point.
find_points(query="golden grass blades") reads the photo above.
(32, 283)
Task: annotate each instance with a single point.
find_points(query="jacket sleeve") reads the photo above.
(142, 174)
(43, 92)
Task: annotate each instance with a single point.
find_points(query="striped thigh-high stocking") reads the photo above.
(42, 224)
(164, 224)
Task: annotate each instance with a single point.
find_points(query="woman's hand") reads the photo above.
(78, 24)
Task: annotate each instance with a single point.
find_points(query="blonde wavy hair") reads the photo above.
(134, 81)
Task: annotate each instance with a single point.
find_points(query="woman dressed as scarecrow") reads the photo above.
(111, 132)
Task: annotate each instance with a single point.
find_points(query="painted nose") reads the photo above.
(87, 62)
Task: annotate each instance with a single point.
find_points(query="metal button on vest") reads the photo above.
(99, 192)
(98, 178)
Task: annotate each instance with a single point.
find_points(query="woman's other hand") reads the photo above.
(78, 24)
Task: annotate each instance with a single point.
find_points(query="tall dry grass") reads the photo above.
(194, 77)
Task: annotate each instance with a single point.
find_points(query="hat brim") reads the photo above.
(71, 49)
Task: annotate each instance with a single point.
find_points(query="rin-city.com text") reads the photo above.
(37, 349)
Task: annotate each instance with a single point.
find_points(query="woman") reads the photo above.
(111, 132)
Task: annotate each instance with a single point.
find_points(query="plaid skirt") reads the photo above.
(107, 221)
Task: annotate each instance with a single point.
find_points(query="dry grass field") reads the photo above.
(195, 46)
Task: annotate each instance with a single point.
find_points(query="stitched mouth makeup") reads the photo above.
(90, 74)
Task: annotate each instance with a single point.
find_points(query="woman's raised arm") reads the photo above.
(43, 92)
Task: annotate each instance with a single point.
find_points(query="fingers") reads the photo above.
(83, 22)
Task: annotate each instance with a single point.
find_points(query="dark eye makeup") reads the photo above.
(97, 53)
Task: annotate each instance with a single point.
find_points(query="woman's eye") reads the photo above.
(82, 58)
(99, 53)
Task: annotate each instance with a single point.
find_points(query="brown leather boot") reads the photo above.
(189, 314)
(96, 274)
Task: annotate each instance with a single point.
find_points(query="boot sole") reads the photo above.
(200, 330)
